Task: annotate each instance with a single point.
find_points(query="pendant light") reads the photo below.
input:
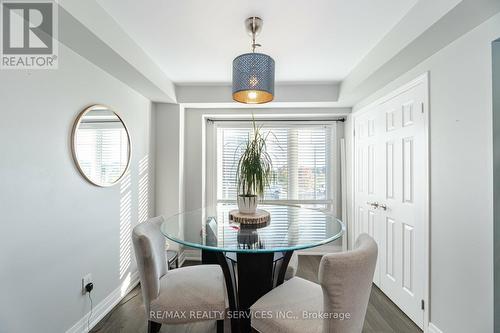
(253, 73)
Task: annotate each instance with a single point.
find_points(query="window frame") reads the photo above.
(213, 157)
(97, 130)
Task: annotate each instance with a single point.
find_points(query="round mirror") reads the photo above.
(101, 145)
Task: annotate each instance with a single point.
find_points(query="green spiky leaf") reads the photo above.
(255, 168)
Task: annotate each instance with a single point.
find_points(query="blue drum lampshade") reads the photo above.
(253, 78)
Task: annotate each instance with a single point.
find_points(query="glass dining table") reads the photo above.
(253, 258)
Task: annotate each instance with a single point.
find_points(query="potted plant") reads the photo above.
(254, 171)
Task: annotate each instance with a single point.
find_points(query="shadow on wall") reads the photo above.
(125, 224)
(143, 189)
(126, 212)
(496, 178)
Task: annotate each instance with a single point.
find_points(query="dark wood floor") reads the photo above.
(382, 315)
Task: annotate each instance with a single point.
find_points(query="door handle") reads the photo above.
(373, 204)
(383, 206)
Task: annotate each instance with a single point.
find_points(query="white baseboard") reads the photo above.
(106, 305)
(191, 255)
(433, 329)
(320, 250)
(182, 258)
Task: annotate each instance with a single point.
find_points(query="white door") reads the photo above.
(367, 152)
(391, 186)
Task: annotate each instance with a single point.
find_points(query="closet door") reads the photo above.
(391, 193)
(368, 184)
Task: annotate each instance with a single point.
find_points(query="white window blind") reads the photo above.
(102, 150)
(301, 156)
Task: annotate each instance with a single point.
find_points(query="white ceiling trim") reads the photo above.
(87, 29)
(284, 93)
(462, 18)
(271, 105)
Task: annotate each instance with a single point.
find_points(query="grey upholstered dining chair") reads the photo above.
(292, 267)
(178, 296)
(338, 304)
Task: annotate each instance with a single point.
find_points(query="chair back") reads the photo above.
(346, 279)
(149, 246)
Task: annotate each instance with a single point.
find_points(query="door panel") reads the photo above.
(389, 167)
(408, 259)
(367, 181)
(408, 170)
(389, 242)
(390, 170)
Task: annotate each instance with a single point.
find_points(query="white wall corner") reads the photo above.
(429, 27)
(349, 143)
(88, 29)
(106, 305)
(433, 329)
(182, 180)
(169, 162)
(189, 255)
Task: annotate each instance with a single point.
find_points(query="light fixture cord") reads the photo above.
(253, 35)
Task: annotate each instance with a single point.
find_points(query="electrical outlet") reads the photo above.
(86, 280)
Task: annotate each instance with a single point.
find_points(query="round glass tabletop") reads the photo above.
(290, 228)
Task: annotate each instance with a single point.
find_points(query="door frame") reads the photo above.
(421, 79)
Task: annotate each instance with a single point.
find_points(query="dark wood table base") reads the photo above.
(248, 277)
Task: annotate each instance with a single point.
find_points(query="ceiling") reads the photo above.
(195, 41)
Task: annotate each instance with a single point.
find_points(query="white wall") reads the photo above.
(496, 168)
(88, 29)
(461, 179)
(169, 128)
(55, 226)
